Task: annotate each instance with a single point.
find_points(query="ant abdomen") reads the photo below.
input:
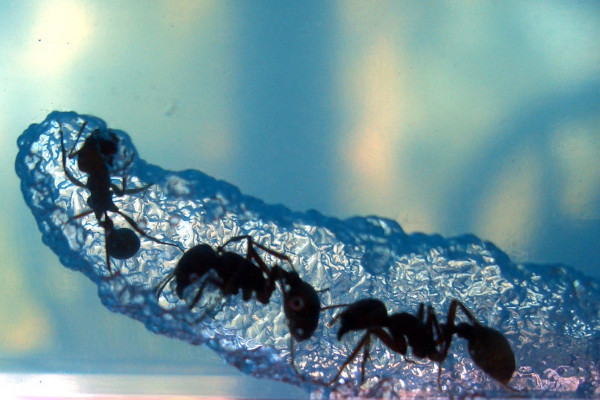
(194, 263)
(490, 350)
(122, 243)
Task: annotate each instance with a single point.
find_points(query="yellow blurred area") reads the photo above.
(577, 147)
(370, 149)
(60, 30)
(400, 100)
(186, 13)
(26, 332)
(26, 328)
(510, 210)
(117, 387)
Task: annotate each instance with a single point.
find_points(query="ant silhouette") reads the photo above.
(251, 275)
(488, 348)
(398, 332)
(97, 157)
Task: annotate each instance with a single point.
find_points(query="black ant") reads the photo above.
(249, 274)
(488, 348)
(397, 331)
(97, 158)
(233, 273)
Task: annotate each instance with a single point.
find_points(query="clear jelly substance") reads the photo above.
(549, 313)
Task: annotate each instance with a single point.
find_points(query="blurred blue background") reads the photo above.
(449, 117)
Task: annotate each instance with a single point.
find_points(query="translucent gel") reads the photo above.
(549, 313)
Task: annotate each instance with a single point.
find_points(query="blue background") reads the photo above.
(449, 117)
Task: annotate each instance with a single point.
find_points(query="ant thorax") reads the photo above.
(117, 156)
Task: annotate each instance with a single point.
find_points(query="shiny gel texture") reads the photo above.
(549, 313)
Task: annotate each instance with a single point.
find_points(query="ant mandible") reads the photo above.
(97, 158)
(249, 274)
(398, 332)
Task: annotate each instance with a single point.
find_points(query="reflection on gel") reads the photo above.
(550, 314)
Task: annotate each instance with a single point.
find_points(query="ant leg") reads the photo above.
(71, 153)
(136, 190)
(251, 253)
(107, 224)
(83, 214)
(330, 307)
(211, 307)
(411, 361)
(366, 356)
(252, 243)
(465, 311)
(397, 345)
(108, 265)
(334, 320)
(431, 325)
(68, 174)
(139, 230)
(292, 356)
(448, 330)
(235, 239)
(351, 357)
(421, 312)
(439, 377)
(275, 254)
(198, 295)
(120, 191)
(163, 283)
(445, 334)
(452, 313)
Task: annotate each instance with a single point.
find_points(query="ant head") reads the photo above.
(104, 146)
(302, 307)
(107, 144)
(122, 243)
(193, 265)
